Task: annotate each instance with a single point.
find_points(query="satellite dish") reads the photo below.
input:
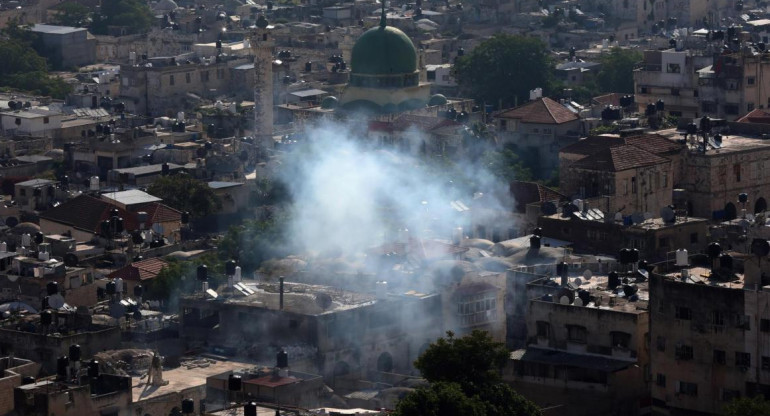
(13, 277)
(618, 217)
(548, 208)
(588, 274)
(564, 300)
(667, 214)
(55, 301)
(577, 281)
(637, 218)
(578, 302)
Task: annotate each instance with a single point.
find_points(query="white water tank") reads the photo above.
(237, 275)
(180, 116)
(3, 247)
(457, 235)
(94, 183)
(118, 285)
(44, 256)
(681, 258)
(26, 240)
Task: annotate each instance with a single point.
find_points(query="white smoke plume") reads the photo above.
(350, 194)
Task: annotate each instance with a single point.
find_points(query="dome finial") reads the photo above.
(383, 20)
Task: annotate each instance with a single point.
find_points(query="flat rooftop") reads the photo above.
(702, 275)
(192, 375)
(601, 296)
(298, 298)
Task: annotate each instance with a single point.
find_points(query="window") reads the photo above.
(683, 352)
(689, 389)
(717, 317)
(719, 357)
(431, 75)
(187, 77)
(620, 339)
(642, 90)
(766, 363)
(730, 395)
(660, 380)
(683, 313)
(742, 359)
(675, 92)
(633, 185)
(46, 120)
(477, 309)
(577, 333)
(661, 343)
(543, 329)
(673, 68)
(764, 325)
(170, 80)
(750, 80)
(694, 239)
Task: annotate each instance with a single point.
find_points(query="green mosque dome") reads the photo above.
(383, 50)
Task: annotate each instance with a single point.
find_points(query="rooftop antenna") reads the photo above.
(383, 20)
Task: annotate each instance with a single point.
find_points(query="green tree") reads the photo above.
(745, 406)
(135, 15)
(180, 277)
(255, 241)
(470, 365)
(21, 68)
(440, 399)
(504, 68)
(186, 193)
(617, 71)
(506, 165)
(72, 14)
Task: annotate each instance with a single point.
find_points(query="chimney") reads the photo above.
(280, 293)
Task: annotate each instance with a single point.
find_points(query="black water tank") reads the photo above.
(534, 242)
(138, 291)
(52, 288)
(46, 318)
(27, 380)
(713, 250)
(203, 273)
(164, 169)
(188, 406)
(633, 255)
(45, 304)
(282, 359)
(93, 369)
(234, 382)
(562, 268)
(185, 217)
(111, 288)
(625, 256)
(613, 280)
(75, 352)
(39, 237)
(538, 232)
(629, 290)
(726, 261)
(585, 296)
(62, 363)
(642, 265)
(308, 66)
(743, 198)
(250, 409)
(230, 267)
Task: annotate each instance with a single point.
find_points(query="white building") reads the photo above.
(36, 122)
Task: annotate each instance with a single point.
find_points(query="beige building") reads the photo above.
(586, 345)
(671, 76)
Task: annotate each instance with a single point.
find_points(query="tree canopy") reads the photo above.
(72, 14)
(21, 68)
(617, 71)
(464, 376)
(186, 193)
(134, 15)
(255, 241)
(504, 68)
(745, 406)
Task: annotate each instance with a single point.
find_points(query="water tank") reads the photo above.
(534, 242)
(282, 359)
(3, 247)
(629, 290)
(203, 273)
(188, 406)
(585, 296)
(230, 267)
(381, 289)
(538, 232)
(52, 288)
(713, 250)
(138, 291)
(26, 240)
(165, 169)
(93, 369)
(726, 261)
(39, 237)
(62, 363)
(118, 285)
(458, 235)
(613, 280)
(308, 66)
(74, 352)
(94, 183)
(250, 409)
(234, 382)
(633, 255)
(44, 256)
(46, 317)
(681, 258)
(237, 276)
(185, 217)
(111, 288)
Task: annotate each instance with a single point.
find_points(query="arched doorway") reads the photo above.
(760, 205)
(385, 363)
(730, 212)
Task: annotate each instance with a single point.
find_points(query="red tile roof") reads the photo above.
(653, 143)
(530, 192)
(541, 111)
(618, 158)
(756, 116)
(612, 99)
(86, 213)
(139, 271)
